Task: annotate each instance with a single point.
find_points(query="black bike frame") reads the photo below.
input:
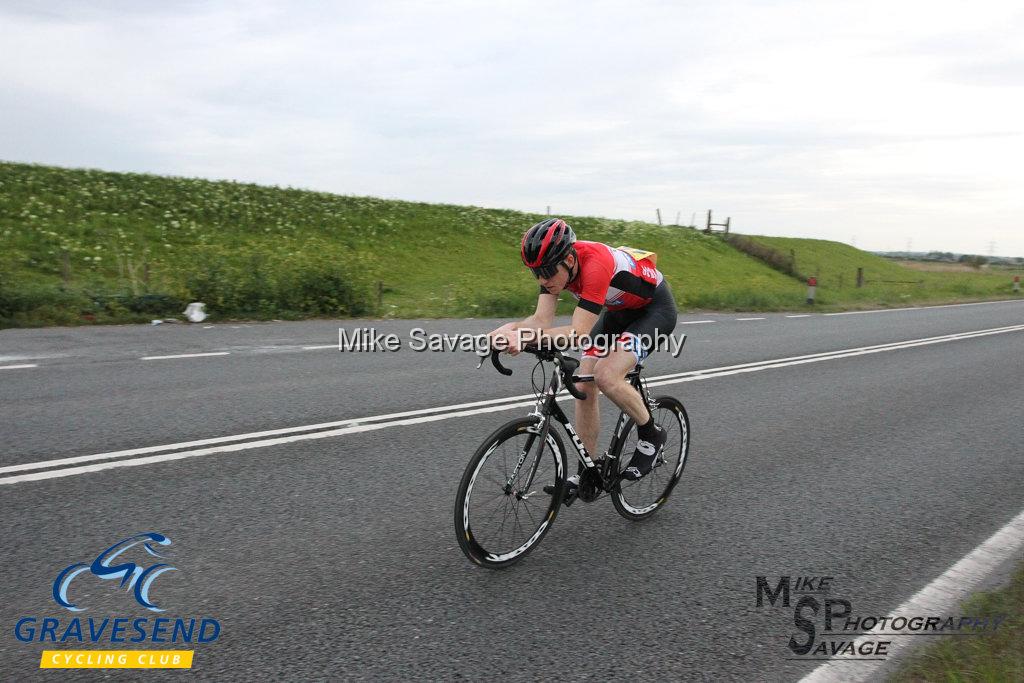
(547, 408)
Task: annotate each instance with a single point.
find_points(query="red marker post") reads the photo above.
(1016, 283)
(812, 284)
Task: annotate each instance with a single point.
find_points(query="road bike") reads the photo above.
(515, 483)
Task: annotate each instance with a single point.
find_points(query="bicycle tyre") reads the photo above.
(641, 499)
(476, 544)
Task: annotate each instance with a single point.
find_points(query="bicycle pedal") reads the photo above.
(567, 498)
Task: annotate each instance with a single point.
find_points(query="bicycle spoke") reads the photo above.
(500, 522)
(643, 495)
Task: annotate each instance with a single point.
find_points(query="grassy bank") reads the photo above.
(79, 246)
(993, 658)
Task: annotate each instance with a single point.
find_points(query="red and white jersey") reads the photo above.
(612, 278)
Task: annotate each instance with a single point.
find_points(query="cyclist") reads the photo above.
(640, 307)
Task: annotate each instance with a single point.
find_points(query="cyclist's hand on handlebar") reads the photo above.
(506, 329)
(506, 339)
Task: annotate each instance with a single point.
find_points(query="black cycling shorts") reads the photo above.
(635, 328)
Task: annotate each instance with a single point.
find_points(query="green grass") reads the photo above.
(993, 658)
(138, 246)
(886, 283)
(92, 246)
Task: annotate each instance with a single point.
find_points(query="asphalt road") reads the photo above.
(334, 557)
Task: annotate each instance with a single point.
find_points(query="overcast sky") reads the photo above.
(885, 123)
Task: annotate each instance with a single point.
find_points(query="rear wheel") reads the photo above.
(501, 512)
(641, 499)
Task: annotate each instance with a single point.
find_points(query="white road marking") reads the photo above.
(939, 597)
(256, 435)
(32, 356)
(885, 310)
(944, 305)
(188, 355)
(825, 355)
(18, 367)
(317, 347)
(424, 415)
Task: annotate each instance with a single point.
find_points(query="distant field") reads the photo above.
(944, 267)
(938, 266)
(83, 246)
(886, 283)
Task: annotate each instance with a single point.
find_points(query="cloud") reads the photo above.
(794, 117)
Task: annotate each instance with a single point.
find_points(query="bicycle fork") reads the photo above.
(543, 438)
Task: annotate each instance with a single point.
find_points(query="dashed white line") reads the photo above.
(324, 346)
(750, 318)
(18, 367)
(938, 597)
(696, 322)
(802, 315)
(188, 355)
(439, 413)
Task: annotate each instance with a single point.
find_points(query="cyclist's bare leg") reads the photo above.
(610, 377)
(588, 415)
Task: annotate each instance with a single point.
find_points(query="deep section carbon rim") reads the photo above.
(640, 498)
(501, 513)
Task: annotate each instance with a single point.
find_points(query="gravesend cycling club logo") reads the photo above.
(131, 565)
(138, 578)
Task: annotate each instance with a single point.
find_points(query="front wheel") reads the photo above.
(641, 499)
(501, 509)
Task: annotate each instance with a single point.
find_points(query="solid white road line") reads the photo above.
(842, 353)
(187, 355)
(883, 310)
(939, 597)
(922, 308)
(352, 422)
(424, 415)
(18, 367)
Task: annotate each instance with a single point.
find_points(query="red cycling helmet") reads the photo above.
(546, 245)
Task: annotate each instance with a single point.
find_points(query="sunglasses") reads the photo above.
(545, 271)
(549, 271)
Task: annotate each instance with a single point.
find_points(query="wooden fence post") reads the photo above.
(65, 266)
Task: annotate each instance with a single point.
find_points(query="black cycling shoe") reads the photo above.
(572, 487)
(645, 455)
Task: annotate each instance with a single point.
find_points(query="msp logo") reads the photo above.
(127, 563)
(138, 578)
